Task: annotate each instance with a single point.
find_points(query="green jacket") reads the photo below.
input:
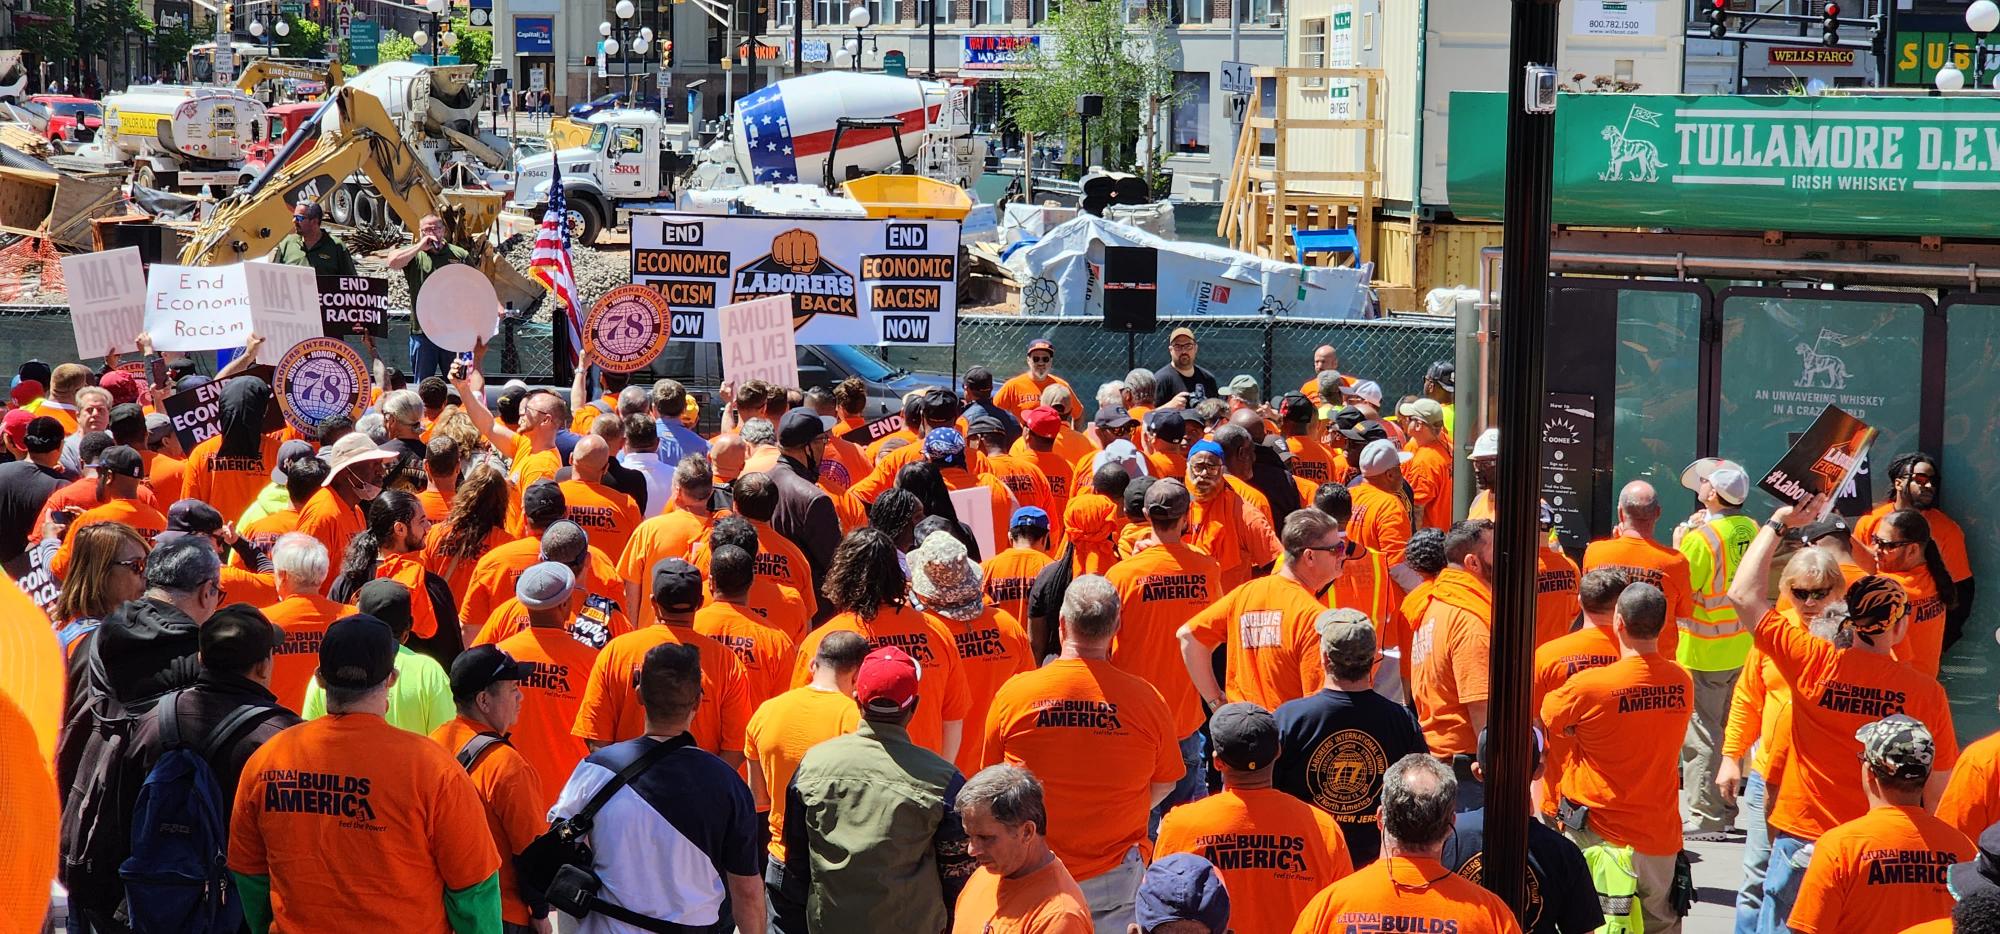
(327, 257)
(871, 821)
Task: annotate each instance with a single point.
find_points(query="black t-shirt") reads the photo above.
(24, 490)
(1334, 747)
(1562, 898)
(1168, 383)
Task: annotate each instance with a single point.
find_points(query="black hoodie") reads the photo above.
(244, 400)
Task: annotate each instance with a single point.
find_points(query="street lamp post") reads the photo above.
(930, 37)
(624, 42)
(1982, 17)
(859, 19)
(440, 35)
(278, 29)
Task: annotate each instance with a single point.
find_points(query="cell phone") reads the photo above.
(157, 372)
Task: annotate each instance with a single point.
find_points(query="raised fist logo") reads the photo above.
(796, 250)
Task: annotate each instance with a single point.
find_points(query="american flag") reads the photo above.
(550, 266)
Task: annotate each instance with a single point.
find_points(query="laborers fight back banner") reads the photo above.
(852, 280)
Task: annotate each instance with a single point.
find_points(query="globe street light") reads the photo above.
(1982, 17)
(859, 19)
(620, 36)
(1949, 78)
(421, 38)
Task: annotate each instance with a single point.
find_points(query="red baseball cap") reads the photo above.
(16, 426)
(26, 391)
(1042, 420)
(122, 386)
(887, 681)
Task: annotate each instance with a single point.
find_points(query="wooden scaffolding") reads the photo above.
(1263, 201)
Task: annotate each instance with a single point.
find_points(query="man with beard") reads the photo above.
(1914, 484)
(1448, 663)
(354, 476)
(1182, 377)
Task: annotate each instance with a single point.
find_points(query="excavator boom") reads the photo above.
(264, 69)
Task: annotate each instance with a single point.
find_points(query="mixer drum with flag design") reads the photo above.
(783, 132)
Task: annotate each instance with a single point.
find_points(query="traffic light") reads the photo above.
(1829, 25)
(666, 53)
(1717, 15)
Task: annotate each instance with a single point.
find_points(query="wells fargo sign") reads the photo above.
(1810, 57)
(1866, 165)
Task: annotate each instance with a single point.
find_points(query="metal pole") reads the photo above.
(798, 37)
(930, 23)
(1520, 385)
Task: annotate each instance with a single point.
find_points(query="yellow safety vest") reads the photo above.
(1716, 640)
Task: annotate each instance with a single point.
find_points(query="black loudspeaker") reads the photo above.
(497, 75)
(1131, 289)
(151, 239)
(1090, 105)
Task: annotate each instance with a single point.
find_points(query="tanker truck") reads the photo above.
(783, 134)
(175, 137)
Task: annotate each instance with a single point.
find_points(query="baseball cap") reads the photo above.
(1041, 343)
(545, 585)
(542, 502)
(1243, 386)
(1897, 746)
(1181, 887)
(565, 542)
(1042, 420)
(238, 636)
(676, 586)
(1113, 416)
(126, 419)
(1295, 407)
(1367, 390)
(15, 424)
(1380, 456)
(193, 515)
(1730, 483)
(357, 652)
(1029, 517)
(985, 425)
(388, 601)
(1833, 524)
(477, 668)
(1427, 409)
(887, 681)
(288, 452)
(1167, 501)
(1703, 468)
(1167, 425)
(1346, 637)
(190, 381)
(1355, 425)
(158, 426)
(1245, 736)
(1487, 445)
(351, 449)
(121, 460)
(1179, 333)
(44, 434)
(1980, 873)
(940, 405)
(798, 427)
(26, 391)
(1445, 374)
(122, 386)
(979, 377)
(34, 370)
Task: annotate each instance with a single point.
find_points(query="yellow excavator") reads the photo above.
(264, 69)
(352, 133)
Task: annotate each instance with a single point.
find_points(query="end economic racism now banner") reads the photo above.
(1864, 165)
(852, 281)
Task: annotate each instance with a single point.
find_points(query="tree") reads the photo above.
(105, 24)
(395, 47)
(171, 45)
(474, 46)
(53, 39)
(307, 39)
(1088, 48)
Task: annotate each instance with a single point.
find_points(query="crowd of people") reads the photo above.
(1186, 659)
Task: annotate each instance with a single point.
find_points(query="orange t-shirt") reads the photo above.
(1923, 642)
(304, 617)
(457, 570)
(240, 585)
(874, 449)
(1626, 721)
(1429, 475)
(611, 712)
(436, 505)
(1274, 851)
(1099, 738)
(331, 520)
(493, 579)
(1311, 459)
(390, 808)
(778, 561)
(268, 528)
(1418, 894)
(1556, 603)
(1231, 529)
(1022, 479)
(1052, 468)
(1643, 559)
(1024, 392)
(80, 495)
(408, 570)
(1311, 387)
(1448, 661)
(599, 627)
(1158, 590)
(773, 604)
(554, 667)
(1273, 649)
(166, 475)
(1364, 584)
(513, 796)
(1836, 692)
(667, 535)
(586, 416)
(1882, 871)
(1556, 662)
(538, 465)
(935, 650)
(1760, 717)
(1046, 901)
(766, 653)
(1949, 537)
(1971, 802)
(31, 821)
(31, 671)
(608, 515)
(1381, 521)
(230, 484)
(778, 736)
(991, 648)
(141, 517)
(1008, 576)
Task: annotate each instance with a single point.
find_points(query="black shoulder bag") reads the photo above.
(558, 864)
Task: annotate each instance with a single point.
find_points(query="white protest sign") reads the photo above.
(974, 506)
(197, 307)
(107, 300)
(284, 307)
(758, 341)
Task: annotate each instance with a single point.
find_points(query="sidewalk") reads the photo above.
(1718, 875)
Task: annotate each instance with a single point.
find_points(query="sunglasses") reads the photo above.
(1339, 546)
(1039, 358)
(1879, 544)
(135, 565)
(1182, 345)
(1804, 595)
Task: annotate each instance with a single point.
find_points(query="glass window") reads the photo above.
(1191, 114)
(885, 11)
(941, 12)
(1039, 10)
(1312, 48)
(1655, 404)
(787, 10)
(830, 12)
(626, 141)
(991, 12)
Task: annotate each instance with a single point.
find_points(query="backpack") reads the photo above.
(177, 878)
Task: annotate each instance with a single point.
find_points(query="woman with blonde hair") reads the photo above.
(107, 567)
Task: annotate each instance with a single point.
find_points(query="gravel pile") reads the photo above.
(597, 271)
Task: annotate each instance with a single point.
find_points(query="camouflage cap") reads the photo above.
(1346, 637)
(1897, 746)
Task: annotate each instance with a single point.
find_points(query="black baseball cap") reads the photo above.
(193, 515)
(940, 405)
(985, 425)
(676, 586)
(1245, 736)
(1445, 374)
(798, 427)
(357, 653)
(45, 434)
(477, 668)
(542, 502)
(388, 601)
(1167, 500)
(127, 420)
(237, 637)
(1113, 416)
(979, 377)
(1355, 425)
(1167, 425)
(1833, 524)
(35, 370)
(1295, 407)
(121, 460)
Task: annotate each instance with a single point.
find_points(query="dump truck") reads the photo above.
(174, 137)
(784, 133)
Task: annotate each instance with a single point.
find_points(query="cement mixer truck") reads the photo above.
(175, 137)
(781, 134)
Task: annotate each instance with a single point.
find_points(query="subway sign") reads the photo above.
(1863, 165)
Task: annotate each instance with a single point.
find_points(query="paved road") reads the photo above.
(1718, 873)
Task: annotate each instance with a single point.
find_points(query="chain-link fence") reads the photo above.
(1277, 351)
(42, 332)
